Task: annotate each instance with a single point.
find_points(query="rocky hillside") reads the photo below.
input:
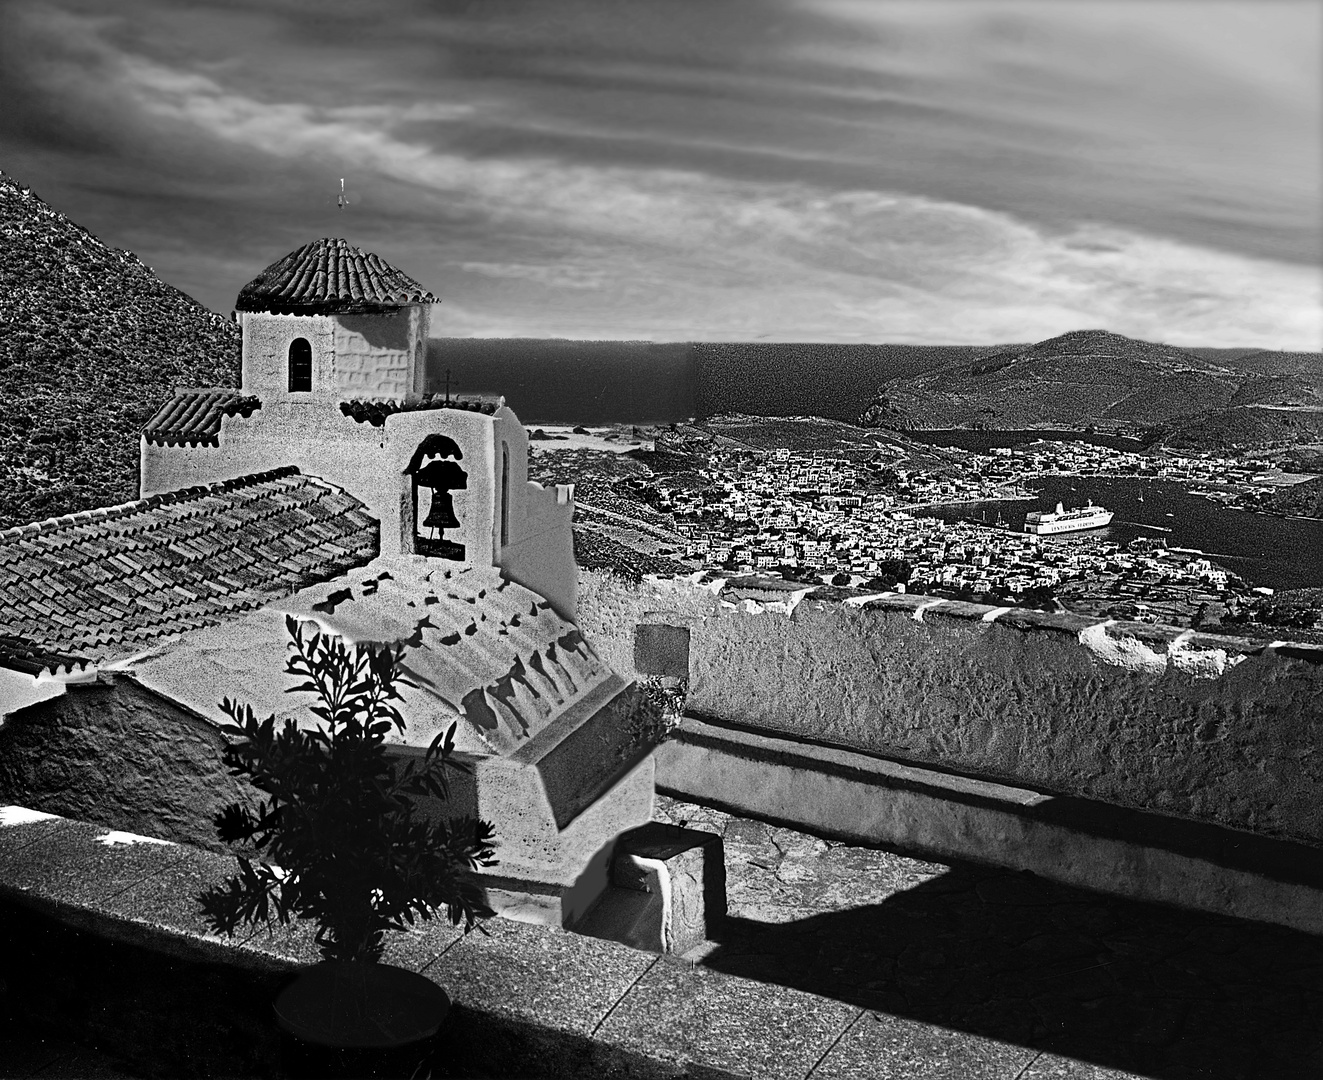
(1299, 500)
(91, 342)
(1095, 378)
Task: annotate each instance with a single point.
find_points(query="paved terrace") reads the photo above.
(837, 961)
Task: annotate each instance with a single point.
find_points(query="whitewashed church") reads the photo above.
(329, 487)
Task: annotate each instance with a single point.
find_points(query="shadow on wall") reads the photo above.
(1170, 994)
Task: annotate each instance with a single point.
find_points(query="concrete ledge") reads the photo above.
(668, 890)
(102, 930)
(862, 798)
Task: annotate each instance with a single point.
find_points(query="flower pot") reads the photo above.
(356, 1004)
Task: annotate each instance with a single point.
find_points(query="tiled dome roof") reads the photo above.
(330, 275)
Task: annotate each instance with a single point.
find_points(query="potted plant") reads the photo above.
(342, 845)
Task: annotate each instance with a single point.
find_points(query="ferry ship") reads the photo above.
(1061, 520)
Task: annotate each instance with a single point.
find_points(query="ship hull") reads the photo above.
(1065, 525)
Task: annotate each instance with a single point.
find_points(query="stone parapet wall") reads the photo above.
(119, 755)
(1193, 725)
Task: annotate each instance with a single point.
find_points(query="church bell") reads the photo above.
(441, 515)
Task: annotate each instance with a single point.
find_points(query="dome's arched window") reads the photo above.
(300, 366)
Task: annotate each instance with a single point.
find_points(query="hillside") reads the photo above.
(834, 381)
(1299, 500)
(91, 342)
(1092, 377)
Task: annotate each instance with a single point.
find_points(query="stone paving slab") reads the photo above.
(694, 1015)
(23, 1055)
(539, 973)
(29, 1055)
(84, 863)
(1052, 1067)
(880, 1046)
(83, 1064)
(20, 827)
(837, 961)
(1131, 988)
(414, 949)
(164, 908)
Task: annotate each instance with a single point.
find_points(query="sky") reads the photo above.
(923, 171)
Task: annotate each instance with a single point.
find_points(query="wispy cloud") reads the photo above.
(857, 263)
(559, 276)
(641, 219)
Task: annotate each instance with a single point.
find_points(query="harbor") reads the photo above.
(1273, 552)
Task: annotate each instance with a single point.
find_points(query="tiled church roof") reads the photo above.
(330, 275)
(193, 417)
(105, 583)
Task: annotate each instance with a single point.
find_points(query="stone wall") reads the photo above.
(380, 356)
(121, 756)
(1209, 728)
(537, 547)
(266, 342)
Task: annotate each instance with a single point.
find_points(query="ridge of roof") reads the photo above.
(34, 528)
(330, 275)
(375, 411)
(20, 654)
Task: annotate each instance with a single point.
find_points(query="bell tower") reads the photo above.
(334, 344)
(436, 473)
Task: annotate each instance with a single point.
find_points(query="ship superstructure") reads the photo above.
(1060, 520)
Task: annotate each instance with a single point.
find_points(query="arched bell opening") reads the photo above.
(435, 472)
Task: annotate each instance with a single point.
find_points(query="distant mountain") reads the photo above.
(91, 343)
(1093, 378)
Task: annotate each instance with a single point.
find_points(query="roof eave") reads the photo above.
(329, 307)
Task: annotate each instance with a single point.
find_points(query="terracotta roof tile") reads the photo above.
(23, 655)
(330, 275)
(193, 417)
(374, 412)
(104, 583)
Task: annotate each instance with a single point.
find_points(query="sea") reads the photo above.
(1265, 550)
(588, 383)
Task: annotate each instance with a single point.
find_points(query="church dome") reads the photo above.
(330, 275)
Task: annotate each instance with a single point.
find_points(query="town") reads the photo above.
(859, 515)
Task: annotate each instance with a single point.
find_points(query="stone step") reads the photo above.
(667, 892)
